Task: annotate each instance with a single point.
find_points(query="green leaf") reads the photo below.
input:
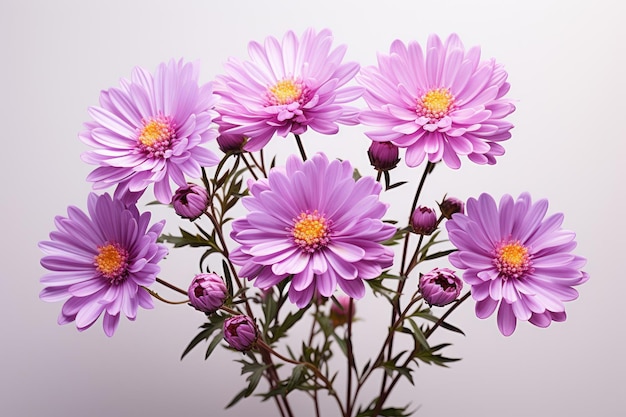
(418, 335)
(186, 239)
(440, 254)
(425, 314)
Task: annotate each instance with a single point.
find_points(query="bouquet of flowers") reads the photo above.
(313, 237)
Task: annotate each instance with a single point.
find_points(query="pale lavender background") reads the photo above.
(566, 66)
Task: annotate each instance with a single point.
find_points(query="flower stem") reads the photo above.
(158, 297)
(300, 147)
(171, 286)
(350, 355)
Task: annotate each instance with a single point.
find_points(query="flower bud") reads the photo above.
(207, 292)
(383, 155)
(451, 205)
(440, 286)
(424, 220)
(240, 332)
(190, 201)
(231, 143)
(339, 310)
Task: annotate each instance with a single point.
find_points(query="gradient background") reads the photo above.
(566, 66)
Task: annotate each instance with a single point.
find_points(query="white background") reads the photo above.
(566, 66)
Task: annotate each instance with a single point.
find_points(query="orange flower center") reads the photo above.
(435, 104)
(156, 136)
(111, 262)
(512, 259)
(311, 231)
(285, 91)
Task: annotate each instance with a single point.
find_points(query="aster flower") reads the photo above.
(383, 155)
(440, 286)
(98, 261)
(152, 130)
(288, 87)
(312, 221)
(516, 260)
(439, 103)
(451, 205)
(240, 332)
(424, 220)
(190, 201)
(207, 292)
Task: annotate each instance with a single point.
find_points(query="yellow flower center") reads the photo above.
(156, 136)
(285, 92)
(112, 261)
(310, 231)
(512, 259)
(436, 103)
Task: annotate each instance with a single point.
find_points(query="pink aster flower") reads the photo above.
(516, 260)
(98, 262)
(288, 87)
(240, 332)
(152, 130)
(439, 103)
(207, 292)
(440, 286)
(313, 222)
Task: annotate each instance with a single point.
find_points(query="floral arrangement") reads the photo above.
(314, 237)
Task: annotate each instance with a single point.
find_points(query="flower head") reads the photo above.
(340, 311)
(99, 261)
(152, 130)
(440, 286)
(313, 222)
(439, 103)
(516, 260)
(240, 332)
(231, 143)
(383, 155)
(451, 205)
(190, 201)
(424, 220)
(207, 292)
(288, 87)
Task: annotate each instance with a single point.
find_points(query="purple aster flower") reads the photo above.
(313, 222)
(383, 155)
(451, 205)
(440, 286)
(207, 292)
(423, 220)
(516, 260)
(288, 87)
(439, 103)
(152, 130)
(98, 262)
(240, 332)
(190, 201)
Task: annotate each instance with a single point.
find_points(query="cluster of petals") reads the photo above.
(439, 103)
(240, 332)
(311, 222)
(516, 260)
(440, 286)
(97, 262)
(287, 87)
(207, 292)
(152, 130)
